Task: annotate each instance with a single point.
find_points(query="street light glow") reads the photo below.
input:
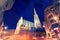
(5, 27)
(5, 32)
(55, 17)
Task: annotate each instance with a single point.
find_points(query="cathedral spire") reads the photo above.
(20, 22)
(36, 20)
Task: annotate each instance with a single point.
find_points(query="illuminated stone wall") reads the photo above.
(52, 18)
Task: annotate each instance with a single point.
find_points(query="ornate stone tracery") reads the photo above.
(52, 17)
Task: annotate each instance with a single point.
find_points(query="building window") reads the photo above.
(50, 16)
(52, 21)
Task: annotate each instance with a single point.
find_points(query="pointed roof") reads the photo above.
(37, 22)
(20, 22)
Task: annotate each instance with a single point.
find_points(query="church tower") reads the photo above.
(19, 24)
(37, 22)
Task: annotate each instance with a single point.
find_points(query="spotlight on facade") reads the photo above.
(55, 18)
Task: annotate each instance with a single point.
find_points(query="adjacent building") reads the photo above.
(52, 19)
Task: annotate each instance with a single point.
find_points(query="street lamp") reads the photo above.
(5, 27)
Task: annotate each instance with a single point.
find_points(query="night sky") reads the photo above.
(25, 8)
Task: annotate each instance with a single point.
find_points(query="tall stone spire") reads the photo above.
(20, 22)
(36, 20)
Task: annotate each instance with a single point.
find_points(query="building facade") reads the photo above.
(52, 18)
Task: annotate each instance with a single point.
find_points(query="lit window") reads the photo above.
(55, 28)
